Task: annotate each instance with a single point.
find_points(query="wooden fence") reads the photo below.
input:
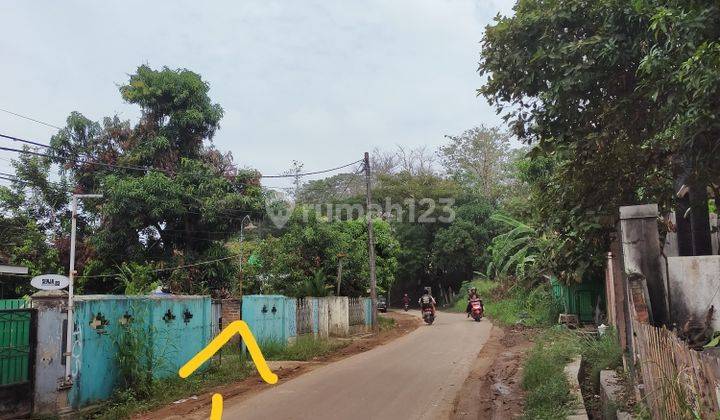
(678, 382)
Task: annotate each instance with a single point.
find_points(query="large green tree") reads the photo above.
(170, 198)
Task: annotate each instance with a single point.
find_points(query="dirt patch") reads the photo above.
(493, 390)
(285, 370)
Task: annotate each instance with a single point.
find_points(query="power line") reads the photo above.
(34, 143)
(168, 268)
(31, 119)
(297, 175)
(311, 173)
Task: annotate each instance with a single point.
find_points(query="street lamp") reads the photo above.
(71, 303)
(243, 226)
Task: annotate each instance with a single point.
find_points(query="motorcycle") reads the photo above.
(476, 309)
(428, 316)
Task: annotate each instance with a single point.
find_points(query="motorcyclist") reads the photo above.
(406, 300)
(427, 301)
(472, 295)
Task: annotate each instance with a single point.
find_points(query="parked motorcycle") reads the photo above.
(428, 316)
(476, 309)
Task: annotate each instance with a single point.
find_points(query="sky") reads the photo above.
(319, 82)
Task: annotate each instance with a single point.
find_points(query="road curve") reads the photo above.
(416, 376)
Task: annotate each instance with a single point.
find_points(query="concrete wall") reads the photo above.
(323, 325)
(670, 247)
(338, 316)
(176, 328)
(49, 360)
(694, 286)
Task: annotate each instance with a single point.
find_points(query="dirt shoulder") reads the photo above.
(286, 370)
(493, 388)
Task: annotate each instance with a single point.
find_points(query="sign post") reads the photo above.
(50, 282)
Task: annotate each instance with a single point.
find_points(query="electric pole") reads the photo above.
(371, 245)
(71, 291)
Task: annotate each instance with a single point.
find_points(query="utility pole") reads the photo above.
(371, 244)
(71, 303)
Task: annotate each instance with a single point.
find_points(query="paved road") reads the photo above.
(416, 376)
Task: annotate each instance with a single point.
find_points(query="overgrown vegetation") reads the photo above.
(509, 304)
(161, 392)
(302, 349)
(544, 379)
(385, 323)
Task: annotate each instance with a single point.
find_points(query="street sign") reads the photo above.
(50, 282)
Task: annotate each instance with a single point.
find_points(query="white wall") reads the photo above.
(338, 316)
(694, 284)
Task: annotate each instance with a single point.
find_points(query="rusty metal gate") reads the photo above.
(17, 361)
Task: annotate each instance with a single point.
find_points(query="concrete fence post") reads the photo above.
(51, 309)
(642, 254)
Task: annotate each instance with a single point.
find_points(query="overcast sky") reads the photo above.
(316, 81)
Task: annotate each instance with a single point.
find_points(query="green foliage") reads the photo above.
(304, 348)
(386, 323)
(602, 353)
(544, 380)
(565, 73)
(309, 250)
(533, 307)
(134, 359)
(125, 404)
(515, 251)
(138, 279)
(316, 285)
(181, 209)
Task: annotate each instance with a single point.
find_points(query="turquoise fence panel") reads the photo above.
(264, 315)
(175, 328)
(368, 311)
(14, 304)
(181, 327)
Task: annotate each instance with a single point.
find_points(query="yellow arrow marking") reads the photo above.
(217, 407)
(236, 327)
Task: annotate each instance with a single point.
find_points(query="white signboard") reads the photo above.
(50, 282)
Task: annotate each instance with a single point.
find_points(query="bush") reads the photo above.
(509, 305)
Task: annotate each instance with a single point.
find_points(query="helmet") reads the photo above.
(405, 294)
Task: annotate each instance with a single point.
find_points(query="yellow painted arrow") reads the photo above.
(236, 327)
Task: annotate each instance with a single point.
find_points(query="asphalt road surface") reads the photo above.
(416, 376)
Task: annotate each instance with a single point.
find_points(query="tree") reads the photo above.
(310, 248)
(170, 197)
(566, 75)
(478, 157)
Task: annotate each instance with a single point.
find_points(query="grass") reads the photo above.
(548, 390)
(386, 323)
(512, 305)
(544, 380)
(304, 348)
(234, 368)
